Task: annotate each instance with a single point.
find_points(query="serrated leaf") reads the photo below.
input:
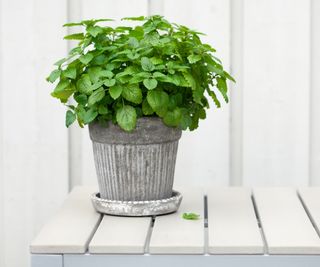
(70, 118)
(190, 80)
(85, 59)
(150, 84)
(89, 115)
(194, 58)
(158, 74)
(96, 96)
(82, 99)
(94, 73)
(158, 100)
(94, 30)
(74, 36)
(103, 110)
(133, 42)
(126, 117)
(71, 24)
(172, 118)
(146, 109)
(54, 75)
(214, 98)
(115, 91)
(106, 73)
(63, 91)
(228, 76)
(84, 84)
(140, 18)
(110, 82)
(146, 64)
(222, 87)
(132, 93)
(70, 72)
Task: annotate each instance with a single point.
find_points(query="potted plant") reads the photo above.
(137, 88)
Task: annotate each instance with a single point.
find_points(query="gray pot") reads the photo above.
(138, 165)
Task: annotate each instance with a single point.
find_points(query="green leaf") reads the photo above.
(132, 93)
(190, 80)
(214, 98)
(96, 96)
(126, 117)
(228, 76)
(141, 18)
(85, 59)
(103, 110)
(74, 36)
(186, 120)
(190, 216)
(70, 118)
(222, 87)
(146, 109)
(146, 64)
(158, 100)
(70, 72)
(63, 91)
(106, 73)
(173, 118)
(71, 24)
(94, 73)
(133, 42)
(110, 82)
(194, 58)
(81, 99)
(115, 91)
(60, 62)
(84, 84)
(89, 115)
(94, 30)
(150, 83)
(54, 75)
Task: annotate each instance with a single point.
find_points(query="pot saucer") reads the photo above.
(137, 208)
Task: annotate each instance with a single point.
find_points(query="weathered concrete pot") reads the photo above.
(138, 165)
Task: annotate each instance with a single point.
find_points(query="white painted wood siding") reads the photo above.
(269, 135)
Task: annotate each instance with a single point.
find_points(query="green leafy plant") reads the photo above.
(122, 73)
(191, 216)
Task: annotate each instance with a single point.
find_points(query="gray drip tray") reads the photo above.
(137, 208)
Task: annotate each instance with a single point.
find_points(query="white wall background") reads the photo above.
(268, 135)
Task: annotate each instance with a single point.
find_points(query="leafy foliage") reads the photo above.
(191, 216)
(153, 69)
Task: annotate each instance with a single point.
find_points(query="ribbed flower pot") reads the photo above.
(135, 166)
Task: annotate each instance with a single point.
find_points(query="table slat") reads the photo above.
(120, 235)
(71, 228)
(311, 199)
(232, 224)
(285, 223)
(174, 235)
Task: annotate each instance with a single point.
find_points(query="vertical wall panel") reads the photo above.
(276, 92)
(34, 140)
(236, 92)
(203, 156)
(315, 94)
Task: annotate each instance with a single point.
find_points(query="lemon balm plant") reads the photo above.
(137, 88)
(155, 69)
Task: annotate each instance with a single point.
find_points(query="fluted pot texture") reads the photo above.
(138, 165)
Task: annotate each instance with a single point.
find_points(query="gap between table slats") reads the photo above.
(171, 234)
(310, 199)
(232, 222)
(285, 223)
(71, 228)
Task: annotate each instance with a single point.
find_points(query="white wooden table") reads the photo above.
(239, 227)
